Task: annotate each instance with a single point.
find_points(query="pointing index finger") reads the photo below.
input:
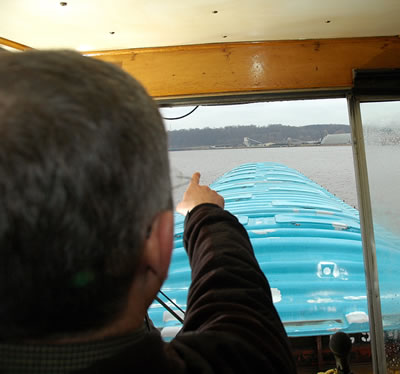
(196, 178)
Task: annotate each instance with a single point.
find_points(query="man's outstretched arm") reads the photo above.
(230, 319)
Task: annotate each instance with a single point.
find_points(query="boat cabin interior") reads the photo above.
(233, 52)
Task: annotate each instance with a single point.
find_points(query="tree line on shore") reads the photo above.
(234, 135)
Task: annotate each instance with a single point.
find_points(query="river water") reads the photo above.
(331, 167)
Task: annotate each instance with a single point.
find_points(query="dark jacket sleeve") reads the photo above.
(231, 324)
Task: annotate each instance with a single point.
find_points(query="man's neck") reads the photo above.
(129, 320)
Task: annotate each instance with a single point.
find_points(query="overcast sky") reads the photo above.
(293, 113)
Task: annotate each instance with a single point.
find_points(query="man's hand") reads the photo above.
(196, 195)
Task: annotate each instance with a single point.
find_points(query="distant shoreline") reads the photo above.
(252, 136)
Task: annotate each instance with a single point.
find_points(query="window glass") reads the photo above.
(286, 171)
(381, 128)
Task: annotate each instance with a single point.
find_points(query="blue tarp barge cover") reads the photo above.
(308, 244)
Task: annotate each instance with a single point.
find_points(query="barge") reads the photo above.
(307, 242)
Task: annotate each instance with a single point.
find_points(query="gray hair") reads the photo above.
(83, 172)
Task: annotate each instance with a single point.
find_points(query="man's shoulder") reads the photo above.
(222, 352)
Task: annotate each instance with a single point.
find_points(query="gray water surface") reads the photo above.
(331, 167)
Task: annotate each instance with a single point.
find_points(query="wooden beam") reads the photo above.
(12, 44)
(214, 69)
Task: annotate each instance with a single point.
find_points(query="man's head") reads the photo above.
(83, 176)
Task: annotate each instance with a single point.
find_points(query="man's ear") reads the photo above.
(152, 268)
(158, 246)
